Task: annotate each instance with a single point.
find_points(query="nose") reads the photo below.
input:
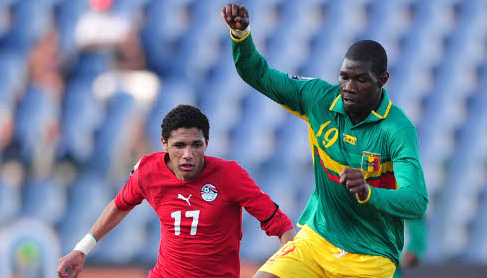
(350, 87)
(188, 153)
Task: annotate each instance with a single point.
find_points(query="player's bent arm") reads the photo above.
(411, 199)
(249, 196)
(110, 218)
(404, 203)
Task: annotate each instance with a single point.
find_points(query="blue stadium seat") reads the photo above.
(12, 75)
(36, 112)
(38, 196)
(67, 14)
(31, 23)
(10, 202)
(88, 188)
(114, 133)
(81, 115)
(172, 93)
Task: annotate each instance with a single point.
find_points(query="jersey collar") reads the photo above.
(380, 114)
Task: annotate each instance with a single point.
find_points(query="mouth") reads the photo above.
(349, 102)
(187, 167)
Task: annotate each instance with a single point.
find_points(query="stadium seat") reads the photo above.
(37, 200)
(10, 203)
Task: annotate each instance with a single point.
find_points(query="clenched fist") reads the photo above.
(236, 16)
(354, 180)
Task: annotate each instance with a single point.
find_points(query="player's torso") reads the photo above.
(200, 224)
(337, 144)
(193, 210)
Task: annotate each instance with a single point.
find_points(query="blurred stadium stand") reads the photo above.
(85, 84)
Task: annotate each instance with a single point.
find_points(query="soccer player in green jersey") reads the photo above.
(367, 169)
(416, 229)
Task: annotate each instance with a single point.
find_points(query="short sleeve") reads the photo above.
(130, 195)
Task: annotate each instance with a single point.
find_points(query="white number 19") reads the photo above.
(195, 214)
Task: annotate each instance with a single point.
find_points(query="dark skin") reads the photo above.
(409, 259)
(361, 90)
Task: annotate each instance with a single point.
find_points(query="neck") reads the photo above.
(357, 118)
(167, 161)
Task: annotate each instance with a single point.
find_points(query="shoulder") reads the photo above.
(149, 161)
(226, 168)
(314, 83)
(219, 164)
(319, 90)
(397, 121)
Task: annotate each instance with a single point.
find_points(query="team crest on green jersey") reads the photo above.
(370, 161)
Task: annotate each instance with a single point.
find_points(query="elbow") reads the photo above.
(420, 207)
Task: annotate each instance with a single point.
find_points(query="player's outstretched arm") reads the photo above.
(75, 260)
(294, 94)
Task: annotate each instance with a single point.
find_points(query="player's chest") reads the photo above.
(203, 202)
(363, 146)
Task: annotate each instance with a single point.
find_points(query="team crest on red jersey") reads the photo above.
(209, 192)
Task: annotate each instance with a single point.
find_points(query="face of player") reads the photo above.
(186, 148)
(361, 88)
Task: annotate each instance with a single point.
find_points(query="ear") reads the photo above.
(206, 145)
(164, 144)
(383, 79)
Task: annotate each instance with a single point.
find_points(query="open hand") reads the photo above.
(236, 16)
(74, 260)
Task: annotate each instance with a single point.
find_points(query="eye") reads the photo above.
(179, 145)
(362, 80)
(198, 145)
(344, 77)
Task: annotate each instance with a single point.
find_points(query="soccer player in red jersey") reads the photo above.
(198, 199)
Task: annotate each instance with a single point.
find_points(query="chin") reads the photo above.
(189, 176)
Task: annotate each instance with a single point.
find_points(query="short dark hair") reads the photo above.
(186, 116)
(370, 51)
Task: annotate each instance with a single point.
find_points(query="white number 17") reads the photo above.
(195, 214)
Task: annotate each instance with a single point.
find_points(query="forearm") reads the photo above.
(110, 218)
(254, 70)
(252, 67)
(277, 225)
(404, 203)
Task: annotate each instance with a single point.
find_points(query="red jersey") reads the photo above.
(201, 219)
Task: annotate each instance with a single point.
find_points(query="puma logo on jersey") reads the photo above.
(349, 139)
(341, 254)
(184, 198)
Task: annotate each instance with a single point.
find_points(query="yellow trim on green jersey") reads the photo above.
(368, 196)
(241, 39)
(385, 115)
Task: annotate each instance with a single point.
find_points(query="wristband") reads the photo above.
(240, 33)
(86, 244)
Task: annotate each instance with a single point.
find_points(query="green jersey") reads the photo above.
(384, 146)
(416, 229)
